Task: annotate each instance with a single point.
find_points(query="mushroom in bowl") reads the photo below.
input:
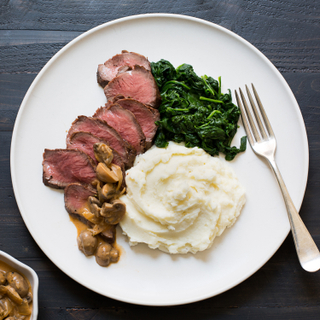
(18, 290)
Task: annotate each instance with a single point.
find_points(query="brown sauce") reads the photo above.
(80, 226)
(7, 268)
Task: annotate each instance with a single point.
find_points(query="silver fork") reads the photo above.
(263, 143)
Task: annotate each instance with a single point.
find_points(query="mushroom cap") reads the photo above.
(107, 192)
(87, 243)
(18, 282)
(113, 212)
(94, 206)
(103, 254)
(107, 174)
(103, 153)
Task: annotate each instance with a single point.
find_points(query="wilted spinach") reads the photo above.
(194, 110)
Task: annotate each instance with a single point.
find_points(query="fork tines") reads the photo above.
(255, 121)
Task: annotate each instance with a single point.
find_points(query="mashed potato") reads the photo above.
(179, 199)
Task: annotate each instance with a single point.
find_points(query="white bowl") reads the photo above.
(29, 274)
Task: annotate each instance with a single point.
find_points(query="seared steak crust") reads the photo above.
(63, 166)
(107, 71)
(137, 84)
(125, 123)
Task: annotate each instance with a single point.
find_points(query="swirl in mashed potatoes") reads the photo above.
(179, 199)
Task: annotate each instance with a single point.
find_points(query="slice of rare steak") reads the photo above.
(76, 198)
(105, 132)
(63, 166)
(107, 71)
(84, 141)
(145, 115)
(77, 205)
(137, 84)
(125, 123)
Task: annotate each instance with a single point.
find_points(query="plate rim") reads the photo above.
(119, 21)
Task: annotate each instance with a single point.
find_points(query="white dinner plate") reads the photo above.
(66, 87)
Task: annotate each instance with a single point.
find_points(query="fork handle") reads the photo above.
(307, 250)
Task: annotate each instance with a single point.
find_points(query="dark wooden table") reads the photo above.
(286, 31)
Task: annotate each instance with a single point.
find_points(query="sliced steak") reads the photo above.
(145, 115)
(76, 199)
(137, 84)
(84, 141)
(118, 63)
(125, 123)
(62, 167)
(102, 130)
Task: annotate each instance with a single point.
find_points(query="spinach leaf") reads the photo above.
(162, 71)
(193, 110)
